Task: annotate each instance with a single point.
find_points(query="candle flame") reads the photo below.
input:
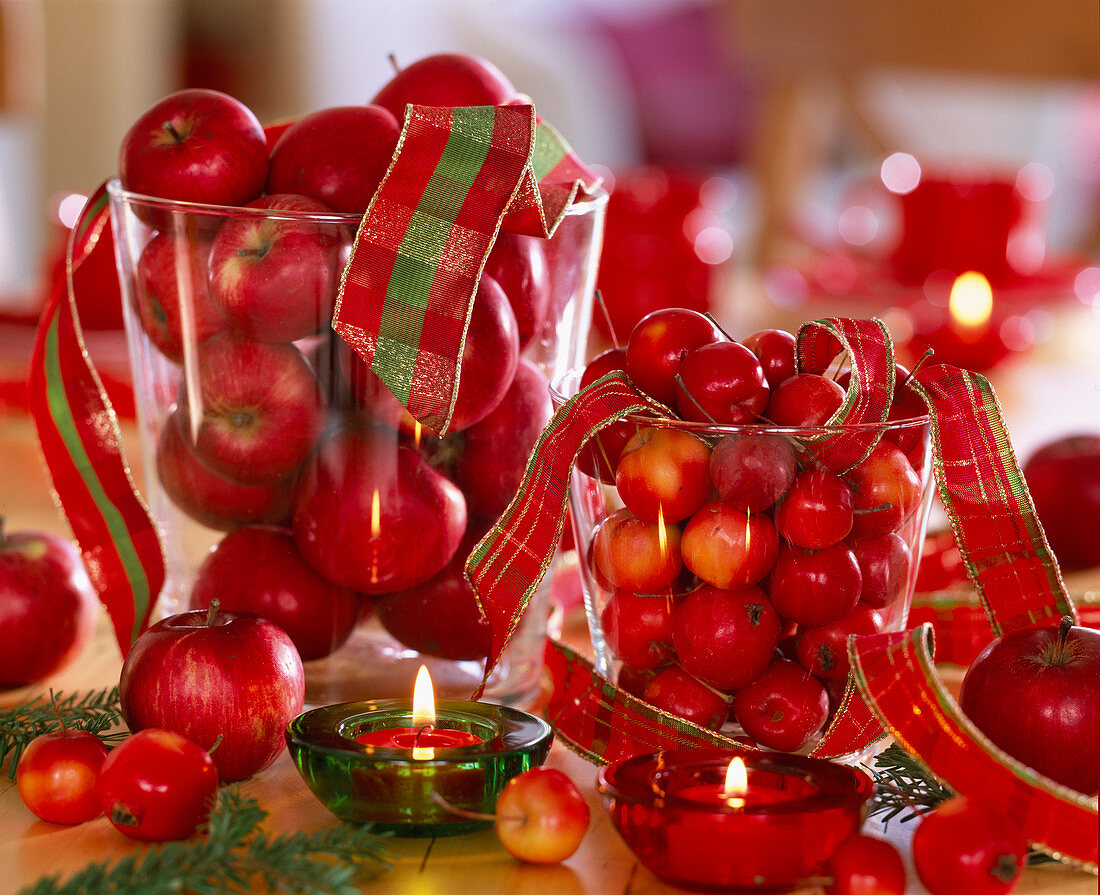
(423, 714)
(737, 783)
(375, 530)
(662, 537)
(971, 301)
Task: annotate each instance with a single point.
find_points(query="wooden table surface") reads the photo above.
(603, 865)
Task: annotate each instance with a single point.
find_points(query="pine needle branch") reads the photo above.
(94, 711)
(229, 858)
(903, 784)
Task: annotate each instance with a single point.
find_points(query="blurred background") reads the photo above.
(763, 155)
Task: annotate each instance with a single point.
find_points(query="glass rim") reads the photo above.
(558, 398)
(589, 202)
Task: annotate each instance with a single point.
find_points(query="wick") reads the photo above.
(421, 730)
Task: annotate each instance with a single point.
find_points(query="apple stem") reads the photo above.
(393, 61)
(719, 326)
(924, 358)
(215, 605)
(862, 511)
(472, 815)
(171, 128)
(1059, 655)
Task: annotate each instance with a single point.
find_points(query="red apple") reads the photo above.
(440, 617)
(48, 609)
(728, 547)
(337, 156)
(370, 514)
(658, 345)
(634, 555)
(259, 409)
(1035, 692)
(57, 773)
(490, 356)
(195, 145)
(259, 569)
(541, 816)
(207, 497)
(518, 264)
(445, 79)
(885, 491)
(1064, 479)
(663, 473)
(275, 273)
(213, 675)
(490, 457)
(784, 708)
(172, 301)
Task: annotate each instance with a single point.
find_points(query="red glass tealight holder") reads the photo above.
(680, 818)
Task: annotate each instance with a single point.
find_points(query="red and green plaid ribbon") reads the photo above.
(82, 446)
(899, 692)
(408, 289)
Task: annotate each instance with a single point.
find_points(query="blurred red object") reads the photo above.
(664, 239)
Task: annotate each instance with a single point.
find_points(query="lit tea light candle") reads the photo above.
(422, 737)
(706, 818)
(404, 765)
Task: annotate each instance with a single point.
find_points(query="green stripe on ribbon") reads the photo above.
(424, 243)
(65, 423)
(550, 149)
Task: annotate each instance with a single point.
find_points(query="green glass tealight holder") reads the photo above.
(414, 791)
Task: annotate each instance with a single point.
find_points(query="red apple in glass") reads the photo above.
(541, 816)
(721, 382)
(337, 156)
(258, 411)
(805, 399)
(884, 563)
(258, 569)
(48, 608)
(275, 273)
(823, 650)
(679, 693)
(817, 510)
(489, 459)
(518, 263)
(658, 345)
(725, 637)
(172, 301)
(1035, 692)
(371, 515)
(634, 555)
(663, 473)
(440, 617)
(784, 708)
(195, 145)
(775, 348)
(814, 587)
(638, 628)
(752, 472)
(445, 79)
(885, 491)
(1063, 477)
(213, 675)
(728, 547)
(208, 497)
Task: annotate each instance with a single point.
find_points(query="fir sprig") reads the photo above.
(903, 784)
(231, 857)
(95, 711)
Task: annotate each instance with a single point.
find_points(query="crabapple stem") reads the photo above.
(215, 605)
(691, 397)
(472, 815)
(393, 61)
(924, 358)
(607, 319)
(862, 511)
(719, 326)
(57, 711)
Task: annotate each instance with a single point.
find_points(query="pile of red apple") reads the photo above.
(279, 434)
(730, 565)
